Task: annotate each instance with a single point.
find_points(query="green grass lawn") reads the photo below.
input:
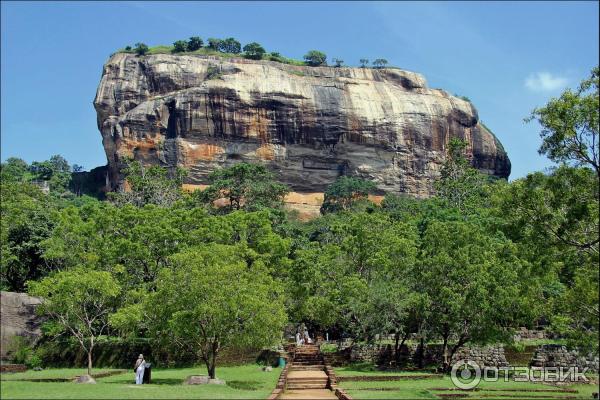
(51, 373)
(243, 382)
(426, 388)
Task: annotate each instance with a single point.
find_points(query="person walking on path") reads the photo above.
(140, 365)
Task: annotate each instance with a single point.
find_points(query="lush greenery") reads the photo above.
(205, 271)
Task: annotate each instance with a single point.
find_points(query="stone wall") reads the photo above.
(17, 318)
(554, 355)
(383, 355)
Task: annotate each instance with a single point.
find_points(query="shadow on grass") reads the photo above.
(244, 385)
(163, 381)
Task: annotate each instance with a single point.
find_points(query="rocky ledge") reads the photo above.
(308, 124)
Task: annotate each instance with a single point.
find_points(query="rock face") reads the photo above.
(17, 318)
(308, 124)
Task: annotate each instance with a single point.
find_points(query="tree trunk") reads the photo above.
(445, 353)
(89, 368)
(398, 345)
(212, 364)
(421, 353)
(461, 341)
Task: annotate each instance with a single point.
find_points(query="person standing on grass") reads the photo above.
(140, 365)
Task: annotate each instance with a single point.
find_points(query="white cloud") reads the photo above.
(545, 82)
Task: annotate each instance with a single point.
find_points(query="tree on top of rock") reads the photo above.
(195, 43)
(314, 58)
(230, 45)
(380, 63)
(254, 51)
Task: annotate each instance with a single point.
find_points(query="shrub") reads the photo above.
(140, 49)
(380, 63)
(254, 51)
(214, 43)
(195, 43)
(230, 45)
(213, 72)
(314, 58)
(179, 46)
(127, 48)
(338, 62)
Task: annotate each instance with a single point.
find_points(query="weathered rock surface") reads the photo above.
(308, 124)
(17, 318)
(202, 380)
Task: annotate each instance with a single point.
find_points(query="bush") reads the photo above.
(380, 63)
(24, 353)
(214, 44)
(230, 45)
(140, 49)
(179, 46)
(195, 43)
(314, 58)
(254, 51)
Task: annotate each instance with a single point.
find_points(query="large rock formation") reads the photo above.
(309, 124)
(17, 318)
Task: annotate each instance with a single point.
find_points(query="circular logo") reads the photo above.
(465, 374)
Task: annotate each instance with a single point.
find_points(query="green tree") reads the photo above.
(180, 46)
(460, 185)
(13, 170)
(80, 301)
(570, 125)
(230, 45)
(214, 44)
(554, 219)
(380, 63)
(140, 49)
(472, 281)
(26, 221)
(315, 58)
(364, 62)
(211, 300)
(333, 274)
(245, 186)
(254, 51)
(195, 43)
(56, 171)
(149, 185)
(346, 192)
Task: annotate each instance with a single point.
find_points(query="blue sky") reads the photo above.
(507, 57)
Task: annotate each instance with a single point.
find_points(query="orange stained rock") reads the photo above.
(266, 152)
(202, 151)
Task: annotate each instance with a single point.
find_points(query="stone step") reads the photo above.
(308, 362)
(307, 382)
(308, 369)
(304, 386)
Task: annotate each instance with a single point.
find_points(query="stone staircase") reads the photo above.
(306, 378)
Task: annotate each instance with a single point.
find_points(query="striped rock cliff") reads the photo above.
(308, 124)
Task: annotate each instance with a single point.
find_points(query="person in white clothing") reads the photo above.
(140, 365)
(307, 338)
